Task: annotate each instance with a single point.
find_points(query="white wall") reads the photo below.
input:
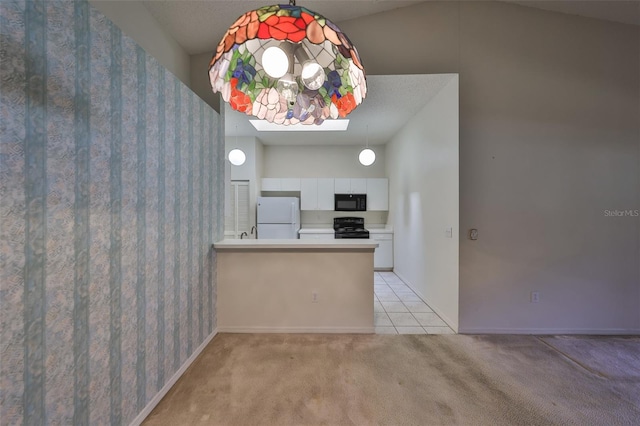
(250, 170)
(549, 139)
(136, 21)
(422, 164)
(200, 79)
(321, 161)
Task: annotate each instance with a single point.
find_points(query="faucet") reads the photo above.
(253, 228)
(243, 234)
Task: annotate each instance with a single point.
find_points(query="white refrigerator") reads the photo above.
(278, 217)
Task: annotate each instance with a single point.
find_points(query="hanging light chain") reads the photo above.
(367, 136)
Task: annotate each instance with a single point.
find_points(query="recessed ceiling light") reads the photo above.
(326, 126)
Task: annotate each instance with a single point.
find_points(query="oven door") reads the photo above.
(350, 202)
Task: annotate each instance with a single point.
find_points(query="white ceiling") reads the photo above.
(199, 25)
(391, 102)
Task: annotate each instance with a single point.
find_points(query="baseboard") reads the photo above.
(552, 331)
(450, 322)
(327, 330)
(172, 381)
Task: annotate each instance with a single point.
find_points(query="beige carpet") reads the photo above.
(267, 379)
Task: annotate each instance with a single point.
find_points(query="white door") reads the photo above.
(237, 221)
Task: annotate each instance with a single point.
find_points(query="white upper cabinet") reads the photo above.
(290, 184)
(342, 186)
(350, 186)
(316, 194)
(359, 186)
(378, 194)
(280, 184)
(325, 194)
(309, 194)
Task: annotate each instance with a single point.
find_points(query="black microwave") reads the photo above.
(350, 202)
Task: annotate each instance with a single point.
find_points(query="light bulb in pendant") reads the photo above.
(288, 88)
(275, 62)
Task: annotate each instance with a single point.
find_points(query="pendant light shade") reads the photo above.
(237, 157)
(367, 157)
(272, 43)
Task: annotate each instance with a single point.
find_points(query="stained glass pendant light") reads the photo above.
(287, 65)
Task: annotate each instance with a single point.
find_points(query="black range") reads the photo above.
(349, 227)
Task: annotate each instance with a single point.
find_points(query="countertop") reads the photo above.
(301, 245)
(317, 230)
(376, 229)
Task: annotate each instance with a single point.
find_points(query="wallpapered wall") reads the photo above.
(111, 195)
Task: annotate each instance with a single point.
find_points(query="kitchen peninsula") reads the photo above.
(291, 286)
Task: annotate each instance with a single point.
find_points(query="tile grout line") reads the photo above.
(409, 310)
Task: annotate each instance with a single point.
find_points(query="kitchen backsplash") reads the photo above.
(318, 218)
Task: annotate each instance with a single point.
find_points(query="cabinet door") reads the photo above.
(271, 184)
(325, 193)
(378, 194)
(308, 194)
(358, 186)
(323, 236)
(342, 186)
(290, 184)
(383, 256)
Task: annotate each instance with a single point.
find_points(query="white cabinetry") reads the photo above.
(325, 194)
(383, 256)
(280, 184)
(378, 194)
(317, 234)
(316, 194)
(350, 186)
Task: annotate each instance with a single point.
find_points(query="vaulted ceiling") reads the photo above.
(199, 25)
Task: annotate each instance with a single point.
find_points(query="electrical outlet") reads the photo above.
(473, 234)
(314, 296)
(535, 296)
(449, 232)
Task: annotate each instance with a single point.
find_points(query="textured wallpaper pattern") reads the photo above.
(111, 193)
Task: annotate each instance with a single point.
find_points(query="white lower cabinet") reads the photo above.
(323, 236)
(383, 256)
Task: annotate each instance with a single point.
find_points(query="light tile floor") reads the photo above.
(398, 310)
